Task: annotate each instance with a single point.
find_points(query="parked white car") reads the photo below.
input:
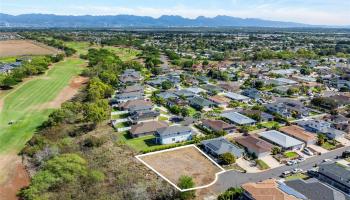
(308, 152)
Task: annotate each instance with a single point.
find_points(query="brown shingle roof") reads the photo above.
(138, 102)
(254, 143)
(266, 190)
(217, 125)
(147, 127)
(219, 99)
(299, 133)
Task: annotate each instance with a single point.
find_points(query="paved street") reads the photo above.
(235, 179)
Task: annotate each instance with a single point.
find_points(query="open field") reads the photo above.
(188, 160)
(124, 53)
(28, 105)
(24, 47)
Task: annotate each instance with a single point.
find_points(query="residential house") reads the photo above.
(238, 118)
(173, 134)
(130, 76)
(339, 122)
(146, 128)
(128, 96)
(300, 134)
(212, 89)
(221, 145)
(230, 86)
(146, 115)
(254, 145)
(220, 101)
(200, 103)
(131, 89)
(283, 81)
(167, 95)
(264, 117)
(270, 189)
(218, 125)
(134, 103)
(196, 90)
(314, 189)
(323, 127)
(336, 175)
(282, 140)
(252, 93)
(184, 93)
(237, 97)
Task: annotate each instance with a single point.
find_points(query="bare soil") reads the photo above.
(23, 48)
(13, 176)
(185, 161)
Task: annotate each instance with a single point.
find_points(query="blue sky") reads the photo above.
(330, 12)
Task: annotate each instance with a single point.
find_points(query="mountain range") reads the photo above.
(113, 21)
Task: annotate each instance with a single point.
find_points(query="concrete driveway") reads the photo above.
(247, 165)
(271, 161)
(343, 141)
(317, 148)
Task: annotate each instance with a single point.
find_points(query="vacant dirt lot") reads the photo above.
(24, 47)
(16, 178)
(184, 161)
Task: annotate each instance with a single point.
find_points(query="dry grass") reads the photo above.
(24, 47)
(184, 161)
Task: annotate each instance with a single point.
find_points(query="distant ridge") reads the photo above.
(110, 21)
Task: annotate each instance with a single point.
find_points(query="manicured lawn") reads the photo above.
(124, 54)
(8, 59)
(296, 176)
(162, 118)
(291, 154)
(145, 143)
(270, 124)
(81, 47)
(262, 165)
(24, 105)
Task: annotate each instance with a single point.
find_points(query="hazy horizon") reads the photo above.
(321, 12)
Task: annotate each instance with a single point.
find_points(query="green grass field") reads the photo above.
(21, 105)
(125, 54)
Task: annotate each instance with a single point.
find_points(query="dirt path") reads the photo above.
(67, 93)
(13, 176)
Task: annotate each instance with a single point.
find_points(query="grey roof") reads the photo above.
(315, 190)
(280, 138)
(166, 95)
(200, 101)
(337, 172)
(236, 96)
(238, 118)
(195, 90)
(171, 130)
(221, 145)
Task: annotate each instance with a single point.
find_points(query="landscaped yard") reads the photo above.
(296, 176)
(186, 161)
(270, 124)
(329, 146)
(262, 165)
(26, 105)
(290, 154)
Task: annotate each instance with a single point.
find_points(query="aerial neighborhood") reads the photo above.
(246, 114)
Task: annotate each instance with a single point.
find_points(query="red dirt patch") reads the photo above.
(13, 176)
